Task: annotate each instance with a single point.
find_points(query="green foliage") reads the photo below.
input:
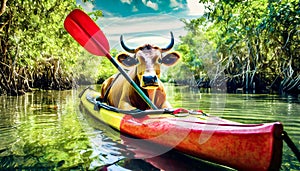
(35, 47)
(197, 52)
(106, 69)
(255, 41)
(87, 68)
(92, 69)
(38, 31)
(95, 14)
(37, 51)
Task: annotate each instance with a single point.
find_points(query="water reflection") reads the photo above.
(41, 130)
(250, 108)
(48, 131)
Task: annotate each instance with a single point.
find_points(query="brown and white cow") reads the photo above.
(144, 68)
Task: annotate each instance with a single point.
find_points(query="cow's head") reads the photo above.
(148, 59)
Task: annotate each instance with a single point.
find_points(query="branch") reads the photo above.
(3, 6)
(288, 38)
(296, 83)
(6, 85)
(3, 25)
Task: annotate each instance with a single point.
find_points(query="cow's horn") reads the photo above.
(170, 45)
(125, 47)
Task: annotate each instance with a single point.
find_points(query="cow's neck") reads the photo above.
(151, 94)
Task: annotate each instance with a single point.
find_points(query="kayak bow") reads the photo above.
(237, 145)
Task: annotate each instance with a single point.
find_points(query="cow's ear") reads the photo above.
(126, 60)
(170, 58)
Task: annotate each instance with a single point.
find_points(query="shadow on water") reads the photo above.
(48, 131)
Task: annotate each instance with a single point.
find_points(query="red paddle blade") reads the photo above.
(85, 31)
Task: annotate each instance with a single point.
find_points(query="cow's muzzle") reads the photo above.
(149, 82)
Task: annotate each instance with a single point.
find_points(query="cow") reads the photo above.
(144, 67)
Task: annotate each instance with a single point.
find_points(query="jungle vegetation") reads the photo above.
(250, 45)
(37, 52)
(35, 49)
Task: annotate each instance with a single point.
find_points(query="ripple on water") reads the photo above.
(46, 130)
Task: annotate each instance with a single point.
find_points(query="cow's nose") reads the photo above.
(150, 80)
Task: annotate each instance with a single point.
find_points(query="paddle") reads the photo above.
(85, 31)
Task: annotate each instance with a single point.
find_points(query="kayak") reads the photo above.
(236, 145)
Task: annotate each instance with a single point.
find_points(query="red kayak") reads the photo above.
(240, 146)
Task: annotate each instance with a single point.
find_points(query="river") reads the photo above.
(46, 130)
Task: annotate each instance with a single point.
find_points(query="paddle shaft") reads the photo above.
(87, 33)
(135, 86)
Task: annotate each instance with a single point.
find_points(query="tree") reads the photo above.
(256, 42)
(36, 51)
(281, 27)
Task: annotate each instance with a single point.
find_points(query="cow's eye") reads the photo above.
(159, 60)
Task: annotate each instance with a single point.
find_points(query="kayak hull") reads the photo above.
(240, 146)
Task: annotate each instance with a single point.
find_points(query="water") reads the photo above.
(48, 131)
